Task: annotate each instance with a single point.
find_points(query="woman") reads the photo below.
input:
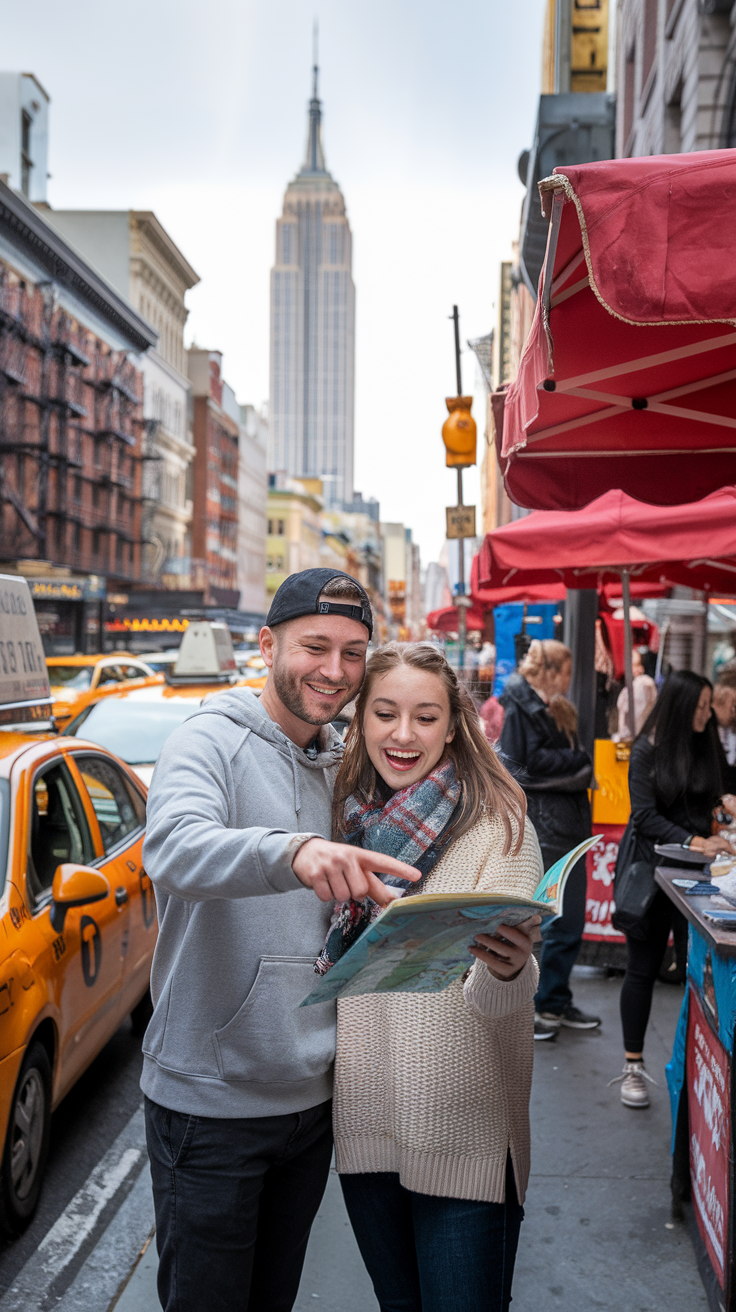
(674, 782)
(539, 743)
(645, 695)
(432, 1089)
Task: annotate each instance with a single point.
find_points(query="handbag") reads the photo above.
(634, 887)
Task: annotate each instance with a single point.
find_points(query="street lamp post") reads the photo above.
(459, 436)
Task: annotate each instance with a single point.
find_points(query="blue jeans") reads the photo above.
(427, 1254)
(561, 940)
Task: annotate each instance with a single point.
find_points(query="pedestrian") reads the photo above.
(237, 1076)
(540, 744)
(432, 1089)
(724, 709)
(491, 711)
(675, 781)
(645, 695)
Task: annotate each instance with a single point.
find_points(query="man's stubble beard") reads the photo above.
(290, 694)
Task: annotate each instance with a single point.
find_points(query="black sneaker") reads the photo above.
(546, 1027)
(575, 1019)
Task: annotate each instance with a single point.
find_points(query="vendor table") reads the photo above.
(700, 1076)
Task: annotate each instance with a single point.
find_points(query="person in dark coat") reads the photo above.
(539, 745)
(675, 781)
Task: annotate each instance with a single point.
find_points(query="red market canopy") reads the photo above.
(501, 596)
(628, 376)
(693, 544)
(447, 620)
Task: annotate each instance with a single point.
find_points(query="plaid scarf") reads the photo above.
(413, 826)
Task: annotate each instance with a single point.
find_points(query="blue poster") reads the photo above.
(540, 623)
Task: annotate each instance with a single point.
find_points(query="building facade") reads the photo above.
(313, 328)
(24, 123)
(294, 526)
(676, 76)
(252, 513)
(71, 418)
(216, 429)
(137, 256)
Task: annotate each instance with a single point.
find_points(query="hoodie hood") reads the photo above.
(244, 709)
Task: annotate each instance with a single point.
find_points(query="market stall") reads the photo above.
(700, 1076)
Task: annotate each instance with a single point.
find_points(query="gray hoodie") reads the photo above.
(230, 803)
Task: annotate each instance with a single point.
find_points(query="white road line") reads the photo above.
(78, 1220)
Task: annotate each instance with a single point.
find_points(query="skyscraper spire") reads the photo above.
(315, 160)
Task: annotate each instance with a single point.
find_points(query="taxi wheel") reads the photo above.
(27, 1143)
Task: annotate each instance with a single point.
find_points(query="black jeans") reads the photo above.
(642, 968)
(561, 939)
(235, 1201)
(427, 1254)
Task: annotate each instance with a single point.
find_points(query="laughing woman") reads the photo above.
(432, 1089)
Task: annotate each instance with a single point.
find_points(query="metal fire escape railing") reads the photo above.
(70, 438)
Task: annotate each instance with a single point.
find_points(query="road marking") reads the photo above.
(77, 1222)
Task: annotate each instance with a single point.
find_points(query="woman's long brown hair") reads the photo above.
(487, 788)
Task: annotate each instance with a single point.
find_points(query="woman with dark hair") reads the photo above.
(675, 780)
(431, 1109)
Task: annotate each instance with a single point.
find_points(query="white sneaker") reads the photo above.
(634, 1092)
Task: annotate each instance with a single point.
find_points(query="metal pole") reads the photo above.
(462, 610)
(456, 320)
(628, 666)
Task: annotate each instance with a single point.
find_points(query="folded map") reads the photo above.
(420, 943)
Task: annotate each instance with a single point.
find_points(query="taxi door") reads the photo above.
(120, 812)
(82, 963)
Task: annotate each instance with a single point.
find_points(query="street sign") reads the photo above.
(460, 521)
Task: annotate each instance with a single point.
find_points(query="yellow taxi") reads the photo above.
(77, 910)
(135, 723)
(75, 680)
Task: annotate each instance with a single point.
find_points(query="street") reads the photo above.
(597, 1233)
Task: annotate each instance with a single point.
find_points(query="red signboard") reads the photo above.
(600, 865)
(708, 1085)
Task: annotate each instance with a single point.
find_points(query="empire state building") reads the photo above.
(313, 327)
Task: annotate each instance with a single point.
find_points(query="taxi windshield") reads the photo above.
(136, 731)
(78, 677)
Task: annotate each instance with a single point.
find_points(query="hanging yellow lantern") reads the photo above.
(459, 433)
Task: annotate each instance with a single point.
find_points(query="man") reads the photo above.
(237, 1076)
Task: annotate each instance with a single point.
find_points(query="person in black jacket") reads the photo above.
(540, 747)
(675, 781)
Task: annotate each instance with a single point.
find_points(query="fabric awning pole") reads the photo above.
(628, 664)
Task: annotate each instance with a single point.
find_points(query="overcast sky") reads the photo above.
(198, 111)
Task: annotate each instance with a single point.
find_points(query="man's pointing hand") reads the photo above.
(337, 872)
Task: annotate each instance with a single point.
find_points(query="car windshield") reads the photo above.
(77, 677)
(136, 731)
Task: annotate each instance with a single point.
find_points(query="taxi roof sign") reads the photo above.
(25, 695)
(206, 653)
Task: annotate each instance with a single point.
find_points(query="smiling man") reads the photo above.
(238, 1076)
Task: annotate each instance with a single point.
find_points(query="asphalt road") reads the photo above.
(83, 1128)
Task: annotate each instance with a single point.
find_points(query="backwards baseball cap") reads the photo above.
(300, 595)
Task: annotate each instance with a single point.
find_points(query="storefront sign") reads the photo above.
(91, 588)
(146, 624)
(600, 868)
(708, 1084)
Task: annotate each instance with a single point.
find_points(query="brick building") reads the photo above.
(216, 430)
(72, 426)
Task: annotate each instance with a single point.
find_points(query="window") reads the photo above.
(26, 163)
(629, 74)
(649, 50)
(59, 830)
(110, 674)
(119, 808)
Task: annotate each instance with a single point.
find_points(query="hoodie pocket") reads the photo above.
(271, 1038)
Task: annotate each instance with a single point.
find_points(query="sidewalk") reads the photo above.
(598, 1233)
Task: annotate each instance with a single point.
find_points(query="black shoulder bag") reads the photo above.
(634, 886)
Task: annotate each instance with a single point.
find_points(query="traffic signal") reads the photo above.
(459, 433)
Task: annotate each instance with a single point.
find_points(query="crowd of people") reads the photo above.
(272, 845)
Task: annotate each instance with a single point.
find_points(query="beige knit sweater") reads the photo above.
(435, 1086)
